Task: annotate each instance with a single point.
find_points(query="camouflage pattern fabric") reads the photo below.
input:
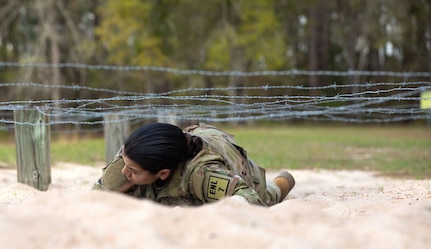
(220, 169)
(112, 179)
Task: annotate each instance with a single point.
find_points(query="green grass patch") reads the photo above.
(7, 155)
(401, 150)
(84, 151)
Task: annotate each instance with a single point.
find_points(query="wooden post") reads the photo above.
(115, 133)
(32, 138)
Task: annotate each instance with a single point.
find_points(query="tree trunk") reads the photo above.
(49, 43)
(319, 44)
(236, 64)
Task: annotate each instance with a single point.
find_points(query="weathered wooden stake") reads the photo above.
(32, 138)
(115, 133)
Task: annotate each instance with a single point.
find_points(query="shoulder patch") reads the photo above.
(217, 187)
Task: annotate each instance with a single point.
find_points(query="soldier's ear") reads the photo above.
(164, 173)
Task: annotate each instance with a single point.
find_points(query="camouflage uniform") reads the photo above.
(220, 169)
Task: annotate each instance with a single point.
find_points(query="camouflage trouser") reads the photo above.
(272, 194)
(268, 192)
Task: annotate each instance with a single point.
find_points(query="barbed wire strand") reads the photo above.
(292, 72)
(360, 107)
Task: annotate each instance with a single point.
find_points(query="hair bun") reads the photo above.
(194, 145)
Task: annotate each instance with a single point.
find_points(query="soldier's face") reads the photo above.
(135, 174)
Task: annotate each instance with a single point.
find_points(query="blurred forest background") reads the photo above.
(215, 35)
(123, 57)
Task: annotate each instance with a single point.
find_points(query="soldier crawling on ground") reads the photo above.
(199, 165)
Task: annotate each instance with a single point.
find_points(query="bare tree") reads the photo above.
(318, 53)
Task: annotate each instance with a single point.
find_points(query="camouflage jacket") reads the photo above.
(220, 169)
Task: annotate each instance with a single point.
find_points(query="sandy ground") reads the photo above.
(327, 209)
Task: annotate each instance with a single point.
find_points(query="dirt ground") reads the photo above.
(326, 209)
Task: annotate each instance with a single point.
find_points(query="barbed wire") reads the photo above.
(292, 72)
(370, 103)
(334, 86)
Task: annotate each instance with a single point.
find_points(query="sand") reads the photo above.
(327, 209)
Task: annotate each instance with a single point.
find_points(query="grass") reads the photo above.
(401, 151)
(84, 151)
(398, 151)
